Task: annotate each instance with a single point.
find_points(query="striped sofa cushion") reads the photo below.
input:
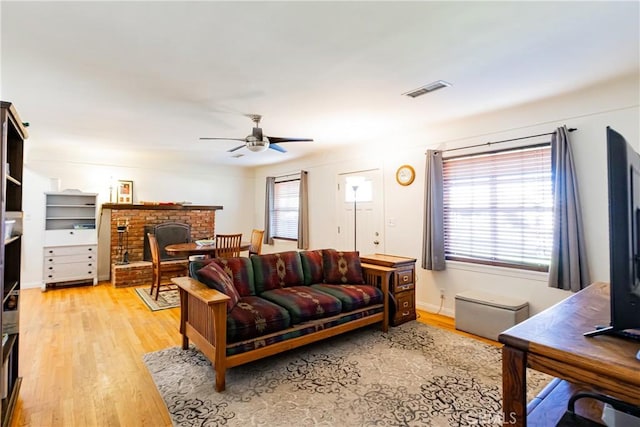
(304, 303)
(253, 317)
(352, 297)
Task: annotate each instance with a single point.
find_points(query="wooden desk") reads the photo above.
(402, 292)
(195, 249)
(552, 342)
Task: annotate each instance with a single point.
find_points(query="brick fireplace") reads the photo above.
(201, 219)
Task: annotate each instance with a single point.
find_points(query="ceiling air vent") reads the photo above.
(439, 84)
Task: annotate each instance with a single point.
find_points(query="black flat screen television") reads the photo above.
(623, 165)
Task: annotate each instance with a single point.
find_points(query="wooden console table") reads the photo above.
(552, 342)
(402, 287)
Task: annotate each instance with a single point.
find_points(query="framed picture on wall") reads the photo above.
(124, 193)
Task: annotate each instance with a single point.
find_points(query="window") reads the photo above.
(498, 208)
(358, 187)
(286, 203)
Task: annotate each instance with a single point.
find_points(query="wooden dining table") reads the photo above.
(187, 249)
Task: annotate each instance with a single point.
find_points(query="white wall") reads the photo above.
(175, 177)
(590, 110)
(156, 177)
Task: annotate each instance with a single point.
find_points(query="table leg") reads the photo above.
(184, 309)
(514, 387)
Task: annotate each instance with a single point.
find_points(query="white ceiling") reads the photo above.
(158, 75)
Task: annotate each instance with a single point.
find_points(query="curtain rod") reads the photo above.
(504, 140)
(289, 177)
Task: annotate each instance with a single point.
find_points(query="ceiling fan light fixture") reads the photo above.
(257, 142)
(257, 146)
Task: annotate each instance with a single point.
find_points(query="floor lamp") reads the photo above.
(355, 217)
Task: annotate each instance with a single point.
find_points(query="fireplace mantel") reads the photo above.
(123, 206)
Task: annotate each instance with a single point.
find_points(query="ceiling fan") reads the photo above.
(258, 142)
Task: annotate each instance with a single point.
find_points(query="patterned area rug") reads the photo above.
(415, 375)
(166, 299)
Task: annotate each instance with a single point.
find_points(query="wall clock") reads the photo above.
(405, 175)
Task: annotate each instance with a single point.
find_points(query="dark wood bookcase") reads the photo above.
(12, 136)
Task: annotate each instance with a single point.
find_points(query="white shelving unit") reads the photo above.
(71, 239)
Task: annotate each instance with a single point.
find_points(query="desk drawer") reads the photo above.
(405, 308)
(403, 280)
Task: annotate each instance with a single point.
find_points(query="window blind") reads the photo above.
(285, 209)
(498, 208)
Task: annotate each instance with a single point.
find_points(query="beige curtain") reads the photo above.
(568, 269)
(303, 213)
(268, 208)
(433, 227)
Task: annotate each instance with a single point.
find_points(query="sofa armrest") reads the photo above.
(203, 319)
(200, 291)
(379, 276)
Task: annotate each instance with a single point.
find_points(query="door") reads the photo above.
(360, 212)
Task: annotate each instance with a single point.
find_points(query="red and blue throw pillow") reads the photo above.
(342, 268)
(275, 271)
(214, 277)
(241, 271)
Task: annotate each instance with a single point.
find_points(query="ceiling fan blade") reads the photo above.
(277, 147)
(278, 139)
(227, 139)
(257, 132)
(236, 148)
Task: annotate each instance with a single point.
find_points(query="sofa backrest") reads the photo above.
(312, 267)
(275, 271)
(239, 269)
(260, 273)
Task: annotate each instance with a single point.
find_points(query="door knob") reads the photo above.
(375, 242)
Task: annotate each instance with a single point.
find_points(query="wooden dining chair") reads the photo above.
(157, 283)
(228, 245)
(256, 242)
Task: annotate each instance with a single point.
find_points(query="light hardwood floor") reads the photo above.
(81, 357)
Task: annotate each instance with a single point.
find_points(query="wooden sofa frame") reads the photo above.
(203, 320)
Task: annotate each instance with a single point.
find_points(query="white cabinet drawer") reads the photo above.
(70, 263)
(70, 237)
(87, 250)
(66, 272)
(68, 259)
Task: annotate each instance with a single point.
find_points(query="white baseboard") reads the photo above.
(431, 308)
(32, 285)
